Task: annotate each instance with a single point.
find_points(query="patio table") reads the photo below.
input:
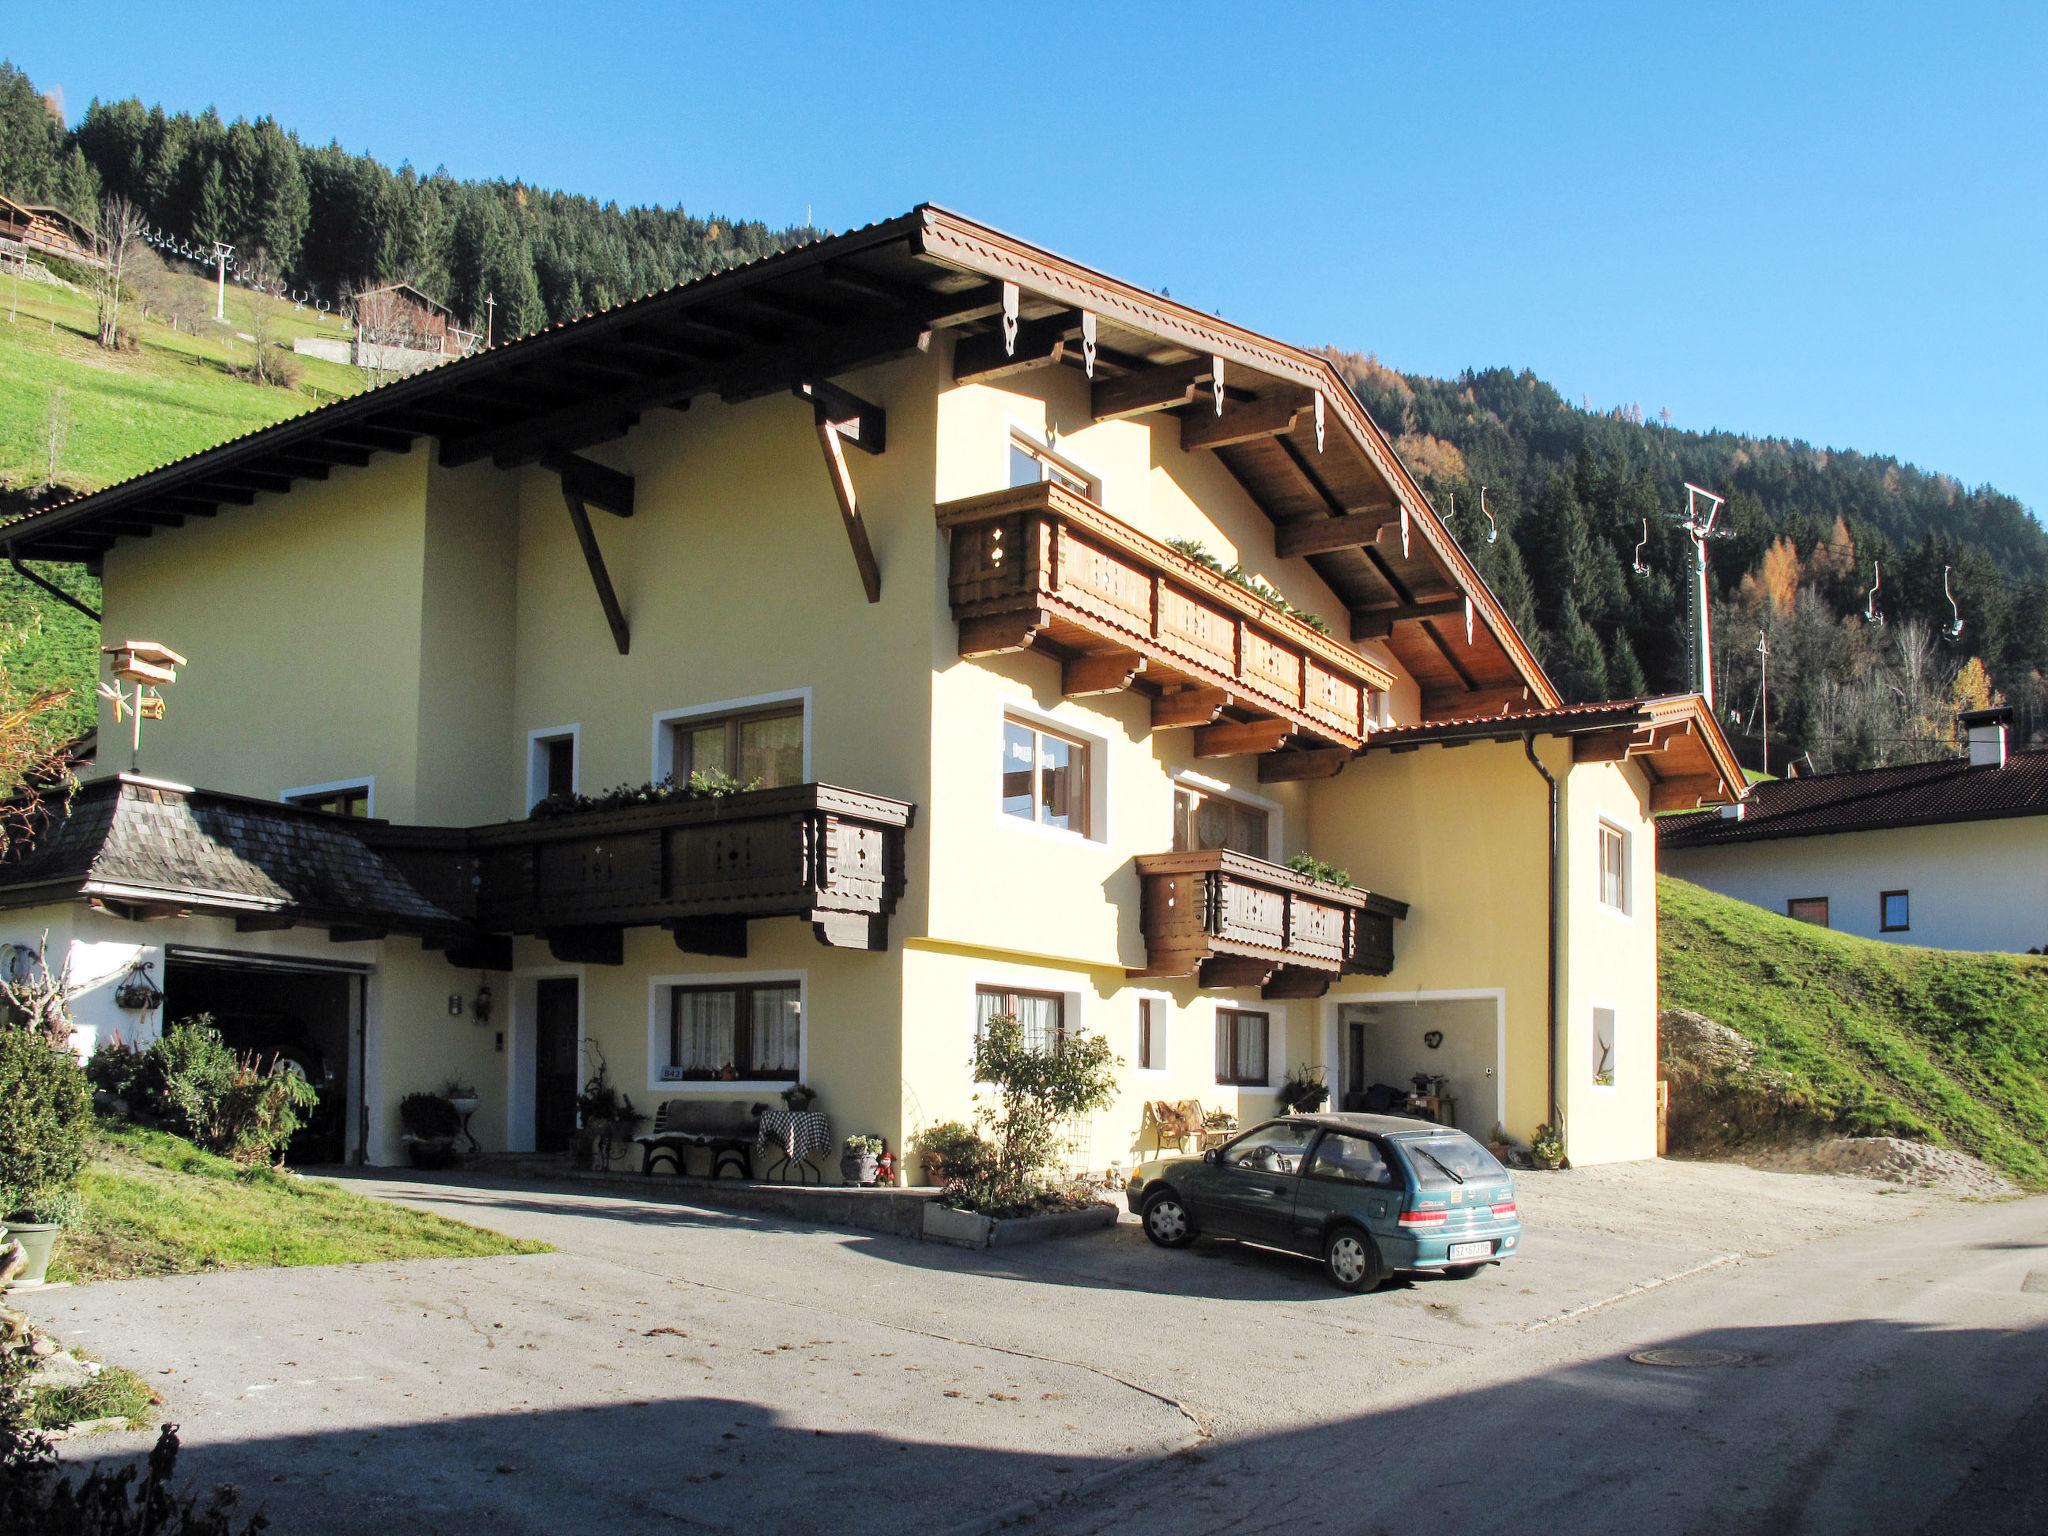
(797, 1134)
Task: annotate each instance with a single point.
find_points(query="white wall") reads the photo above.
(1974, 885)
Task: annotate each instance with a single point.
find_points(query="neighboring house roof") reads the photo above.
(1674, 737)
(410, 291)
(1911, 795)
(1283, 422)
(139, 847)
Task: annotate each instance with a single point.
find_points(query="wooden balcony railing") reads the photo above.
(1237, 921)
(700, 868)
(1041, 567)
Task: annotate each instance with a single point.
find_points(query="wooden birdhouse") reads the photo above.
(143, 661)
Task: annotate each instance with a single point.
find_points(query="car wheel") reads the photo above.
(1167, 1221)
(1462, 1271)
(1352, 1260)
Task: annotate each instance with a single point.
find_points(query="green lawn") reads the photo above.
(1862, 1038)
(157, 1205)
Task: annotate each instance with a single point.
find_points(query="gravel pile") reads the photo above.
(1889, 1160)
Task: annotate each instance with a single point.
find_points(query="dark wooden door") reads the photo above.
(555, 1064)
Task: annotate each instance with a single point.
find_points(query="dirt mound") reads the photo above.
(1699, 1042)
(1889, 1160)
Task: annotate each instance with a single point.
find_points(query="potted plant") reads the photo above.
(605, 1117)
(1304, 1092)
(799, 1097)
(430, 1126)
(461, 1098)
(45, 1137)
(861, 1160)
(1546, 1147)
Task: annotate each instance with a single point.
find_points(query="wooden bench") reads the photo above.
(723, 1128)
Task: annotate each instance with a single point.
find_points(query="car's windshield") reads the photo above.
(1449, 1159)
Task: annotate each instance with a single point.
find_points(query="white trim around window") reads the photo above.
(664, 756)
(367, 783)
(537, 760)
(1594, 1008)
(1097, 747)
(1036, 444)
(1162, 1032)
(1603, 829)
(658, 1016)
(1276, 825)
(1074, 992)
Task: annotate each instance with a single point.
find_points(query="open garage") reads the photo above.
(1443, 1050)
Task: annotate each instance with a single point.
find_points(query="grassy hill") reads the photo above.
(117, 414)
(1856, 1037)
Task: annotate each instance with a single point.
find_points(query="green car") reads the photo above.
(1369, 1195)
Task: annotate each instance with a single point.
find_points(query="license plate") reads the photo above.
(1471, 1251)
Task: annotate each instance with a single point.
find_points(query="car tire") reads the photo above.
(1352, 1259)
(1168, 1221)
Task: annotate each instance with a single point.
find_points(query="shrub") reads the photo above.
(1037, 1093)
(45, 1124)
(189, 1072)
(257, 1115)
(118, 1069)
(948, 1150)
(1319, 869)
(133, 1501)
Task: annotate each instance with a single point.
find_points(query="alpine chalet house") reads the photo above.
(918, 532)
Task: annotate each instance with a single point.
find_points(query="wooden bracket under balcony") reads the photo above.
(1235, 921)
(1041, 567)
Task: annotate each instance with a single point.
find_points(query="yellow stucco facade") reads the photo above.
(413, 627)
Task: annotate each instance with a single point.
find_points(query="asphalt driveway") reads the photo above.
(693, 1368)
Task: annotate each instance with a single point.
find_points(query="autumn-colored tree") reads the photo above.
(1971, 690)
(1776, 582)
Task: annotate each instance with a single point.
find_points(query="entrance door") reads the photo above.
(555, 1064)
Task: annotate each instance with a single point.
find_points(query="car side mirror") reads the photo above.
(1213, 1156)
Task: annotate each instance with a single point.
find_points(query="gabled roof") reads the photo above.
(1910, 795)
(406, 288)
(1282, 422)
(138, 847)
(1673, 737)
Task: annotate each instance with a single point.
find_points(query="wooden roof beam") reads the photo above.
(979, 359)
(1324, 535)
(1303, 763)
(1272, 417)
(1189, 707)
(325, 451)
(1686, 794)
(600, 577)
(378, 439)
(1378, 623)
(594, 484)
(841, 476)
(1154, 389)
(1100, 672)
(861, 422)
(1238, 739)
(1473, 703)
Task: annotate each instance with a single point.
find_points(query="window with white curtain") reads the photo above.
(751, 1031)
(1043, 1015)
(1242, 1039)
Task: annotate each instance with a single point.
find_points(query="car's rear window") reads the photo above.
(1436, 1159)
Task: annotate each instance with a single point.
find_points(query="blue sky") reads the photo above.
(1824, 222)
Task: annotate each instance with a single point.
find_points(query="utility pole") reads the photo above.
(1763, 651)
(221, 253)
(490, 317)
(1699, 638)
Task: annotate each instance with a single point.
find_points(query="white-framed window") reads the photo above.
(343, 797)
(1244, 1040)
(554, 763)
(1033, 461)
(1614, 868)
(1043, 1015)
(1603, 1059)
(726, 1031)
(766, 737)
(1047, 776)
(1153, 1031)
(1206, 817)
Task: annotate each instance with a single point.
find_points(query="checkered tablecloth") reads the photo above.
(799, 1132)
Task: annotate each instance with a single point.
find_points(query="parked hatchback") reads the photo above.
(1369, 1195)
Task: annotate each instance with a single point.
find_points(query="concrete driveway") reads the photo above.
(683, 1367)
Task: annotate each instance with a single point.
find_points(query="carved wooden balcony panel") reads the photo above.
(1236, 921)
(701, 868)
(1041, 567)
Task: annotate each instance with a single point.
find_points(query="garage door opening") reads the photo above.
(304, 1016)
(1445, 1051)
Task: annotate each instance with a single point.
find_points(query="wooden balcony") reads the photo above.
(1039, 567)
(1237, 921)
(700, 868)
